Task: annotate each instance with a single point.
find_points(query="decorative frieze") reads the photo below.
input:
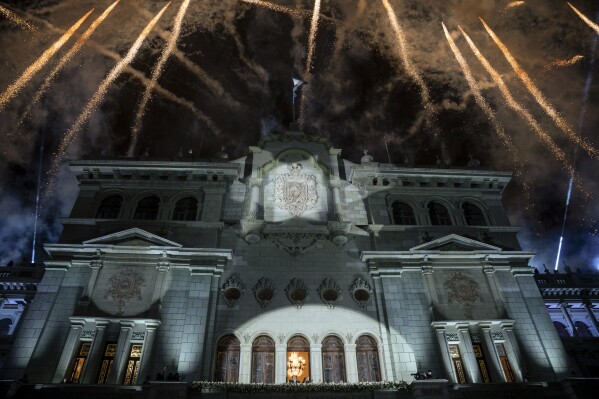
(88, 334)
(138, 335)
(124, 286)
(497, 336)
(464, 290)
(452, 337)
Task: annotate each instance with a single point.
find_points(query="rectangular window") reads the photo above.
(482, 364)
(132, 369)
(458, 365)
(505, 364)
(75, 374)
(107, 360)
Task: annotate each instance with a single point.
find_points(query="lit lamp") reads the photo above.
(295, 365)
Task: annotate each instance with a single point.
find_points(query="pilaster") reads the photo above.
(69, 349)
(316, 363)
(351, 362)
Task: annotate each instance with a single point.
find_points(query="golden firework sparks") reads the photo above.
(585, 19)
(310, 56)
(408, 65)
(511, 5)
(102, 89)
(16, 20)
(166, 53)
(540, 98)
(65, 59)
(18, 84)
(563, 63)
(275, 7)
(519, 108)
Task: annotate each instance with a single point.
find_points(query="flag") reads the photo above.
(297, 83)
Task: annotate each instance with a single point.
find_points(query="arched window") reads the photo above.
(5, 325)
(582, 329)
(227, 359)
(561, 329)
(403, 214)
(333, 360)
(298, 359)
(439, 214)
(186, 209)
(367, 356)
(110, 207)
(147, 209)
(473, 215)
(263, 360)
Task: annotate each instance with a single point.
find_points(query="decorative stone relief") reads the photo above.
(329, 292)
(315, 338)
(464, 290)
(296, 292)
(232, 290)
(138, 335)
(246, 337)
(264, 292)
(497, 336)
(88, 334)
(295, 243)
(452, 337)
(295, 191)
(361, 292)
(281, 338)
(123, 287)
(475, 337)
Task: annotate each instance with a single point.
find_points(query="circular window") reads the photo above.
(298, 294)
(232, 294)
(265, 294)
(361, 295)
(330, 295)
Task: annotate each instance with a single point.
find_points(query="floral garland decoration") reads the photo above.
(311, 387)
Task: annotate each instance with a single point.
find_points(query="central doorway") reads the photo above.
(298, 359)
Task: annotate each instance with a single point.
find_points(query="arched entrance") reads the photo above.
(263, 360)
(298, 358)
(333, 360)
(227, 359)
(367, 357)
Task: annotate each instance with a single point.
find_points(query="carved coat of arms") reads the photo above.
(295, 191)
(463, 290)
(124, 286)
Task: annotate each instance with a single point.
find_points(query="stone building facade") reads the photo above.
(234, 270)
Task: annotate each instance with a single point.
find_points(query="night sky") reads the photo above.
(229, 83)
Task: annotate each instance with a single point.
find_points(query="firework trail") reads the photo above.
(310, 56)
(275, 7)
(563, 63)
(102, 89)
(64, 60)
(158, 69)
(405, 58)
(585, 19)
(18, 84)
(214, 85)
(477, 92)
(540, 98)
(16, 20)
(342, 33)
(512, 5)
(517, 107)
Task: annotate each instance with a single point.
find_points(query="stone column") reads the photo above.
(468, 355)
(255, 185)
(351, 363)
(564, 306)
(513, 352)
(280, 363)
(335, 184)
(146, 355)
(95, 266)
(427, 274)
(316, 363)
(163, 267)
(209, 358)
(69, 349)
(90, 369)
(489, 271)
(245, 363)
(445, 356)
(589, 308)
(387, 366)
(122, 352)
(491, 355)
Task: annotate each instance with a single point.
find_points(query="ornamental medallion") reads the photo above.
(295, 191)
(124, 286)
(463, 290)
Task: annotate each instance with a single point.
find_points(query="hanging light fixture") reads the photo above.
(295, 365)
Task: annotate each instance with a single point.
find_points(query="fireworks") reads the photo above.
(18, 84)
(310, 56)
(275, 7)
(564, 63)
(103, 88)
(517, 107)
(16, 20)
(585, 19)
(512, 5)
(540, 98)
(166, 53)
(66, 58)
(405, 58)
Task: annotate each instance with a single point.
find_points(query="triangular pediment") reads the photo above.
(454, 242)
(134, 237)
